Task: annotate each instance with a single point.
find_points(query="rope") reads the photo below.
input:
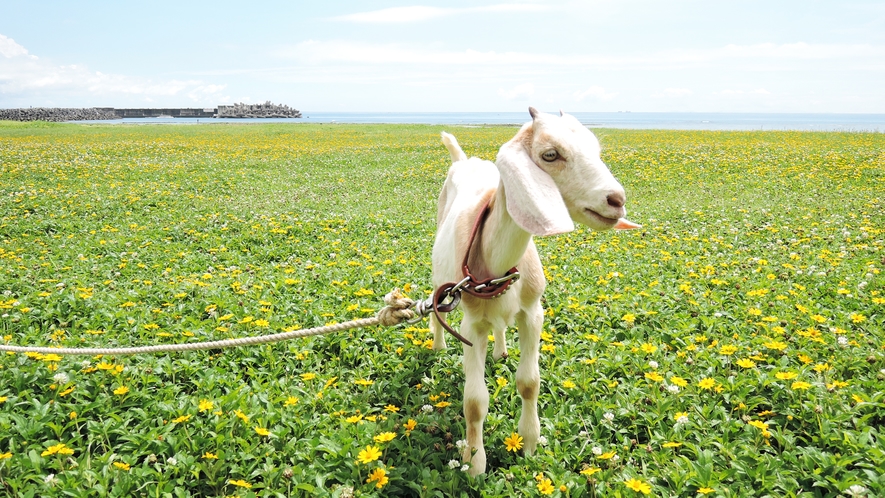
(398, 309)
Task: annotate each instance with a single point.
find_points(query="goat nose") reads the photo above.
(616, 199)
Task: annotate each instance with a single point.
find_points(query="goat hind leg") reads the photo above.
(500, 349)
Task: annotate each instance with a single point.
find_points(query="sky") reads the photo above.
(459, 56)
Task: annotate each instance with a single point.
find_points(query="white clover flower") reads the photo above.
(172, 461)
(427, 408)
(461, 444)
(673, 388)
(542, 441)
(465, 467)
(842, 340)
(609, 416)
(653, 364)
(453, 464)
(583, 433)
(61, 378)
(856, 490)
(682, 420)
(596, 450)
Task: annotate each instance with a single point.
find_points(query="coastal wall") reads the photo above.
(240, 110)
(156, 113)
(56, 114)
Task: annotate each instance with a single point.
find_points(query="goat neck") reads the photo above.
(501, 243)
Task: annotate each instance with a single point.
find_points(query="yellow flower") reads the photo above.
(239, 483)
(758, 424)
(261, 431)
(786, 375)
(59, 449)
(205, 405)
(746, 363)
(589, 471)
(778, 345)
(391, 408)
(4, 456)
(242, 416)
(379, 477)
(654, 376)
(308, 376)
(411, 424)
(800, 385)
(442, 404)
(120, 391)
(3, 399)
(121, 465)
(384, 437)
(672, 444)
(545, 487)
(629, 318)
(607, 455)
(705, 491)
(648, 348)
(210, 456)
(568, 384)
(707, 383)
(363, 382)
(355, 419)
(181, 419)
(513, 442)
(291, 401)
(369, 455)
(637, 485)
(678, 381)
(728, 350)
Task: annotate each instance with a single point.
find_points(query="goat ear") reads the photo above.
(533, 112)
(533, 199)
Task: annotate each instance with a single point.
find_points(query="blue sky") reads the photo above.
(606, 55)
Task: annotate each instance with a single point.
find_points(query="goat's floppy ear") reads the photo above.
(533, 199)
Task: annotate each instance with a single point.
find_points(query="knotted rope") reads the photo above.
(397, 310)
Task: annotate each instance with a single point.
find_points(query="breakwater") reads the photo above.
(240, 110)
(56, 114)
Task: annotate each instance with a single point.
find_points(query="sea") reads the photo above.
(635, 120)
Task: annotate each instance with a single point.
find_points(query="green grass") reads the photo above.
(733, 346)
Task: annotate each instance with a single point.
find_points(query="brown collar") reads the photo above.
(484, 289)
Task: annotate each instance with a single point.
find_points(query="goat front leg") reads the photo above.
(528, 376)
(476, 394)
(439, 333)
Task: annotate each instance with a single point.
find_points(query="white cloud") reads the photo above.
(731, 56)
(673, 92)
(733, 93)
(9, 48)
(418, 13)
(596, 92)
(519, 92)
(31, 81)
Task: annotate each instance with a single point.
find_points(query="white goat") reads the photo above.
(548, 175)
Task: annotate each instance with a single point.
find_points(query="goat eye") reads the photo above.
(550, 155)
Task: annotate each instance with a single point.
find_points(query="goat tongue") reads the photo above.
(625, 224)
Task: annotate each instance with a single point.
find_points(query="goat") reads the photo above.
(543, 180)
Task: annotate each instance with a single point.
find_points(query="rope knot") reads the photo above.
(398, 309)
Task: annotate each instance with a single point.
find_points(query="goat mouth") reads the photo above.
(600, 218)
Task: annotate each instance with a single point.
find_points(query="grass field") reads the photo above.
(731, 347)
